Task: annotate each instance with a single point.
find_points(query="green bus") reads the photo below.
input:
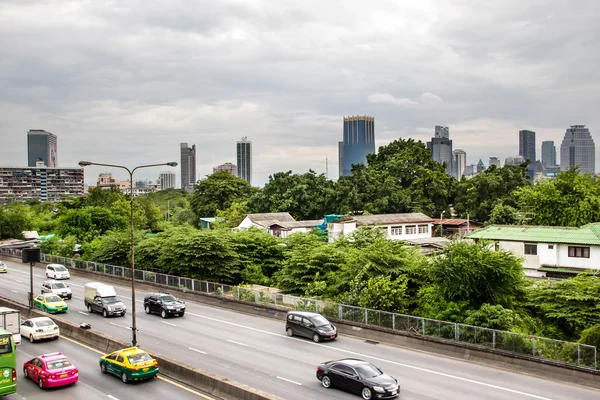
(8, 363)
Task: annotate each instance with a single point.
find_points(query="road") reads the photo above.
(92, 384)
(255, 351)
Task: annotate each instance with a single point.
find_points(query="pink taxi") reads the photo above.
(51, 370)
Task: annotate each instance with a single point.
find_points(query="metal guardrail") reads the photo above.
(570, 353)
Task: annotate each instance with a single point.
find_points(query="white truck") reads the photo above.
(102, 298)
(10, 320)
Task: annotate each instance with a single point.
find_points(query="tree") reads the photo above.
(232, 216)
(152, 213)
(218, 192)
(14, 219)
(259, 249)
(502, 215)
(493, 317)
(591, 336)
(115, 248)
(384, 293)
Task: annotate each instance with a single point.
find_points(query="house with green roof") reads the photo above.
(548, 251)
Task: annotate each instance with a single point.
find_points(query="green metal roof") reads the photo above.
(563, 270)
(586, 235)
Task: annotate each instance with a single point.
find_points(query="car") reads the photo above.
(3, 267)
(130, 364)
(39, 328)
(57, 271)
(50, 303)
(310, 325)
(164, 304)
(359, 377)
(51, 370)
(56, 287)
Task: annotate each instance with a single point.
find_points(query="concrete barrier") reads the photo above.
(197, 378)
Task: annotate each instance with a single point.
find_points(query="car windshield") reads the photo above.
(59, 268)
(368, 371)
(110, 300)
(140, 357)
(319, 320)
(44, 322)
(58, 364)
(52, 299)
(168, 299)
(58, 285)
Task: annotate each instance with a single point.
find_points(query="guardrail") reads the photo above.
(541, 348)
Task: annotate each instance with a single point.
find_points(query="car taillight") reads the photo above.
(74, 371)
(318, 368)
(14, 375)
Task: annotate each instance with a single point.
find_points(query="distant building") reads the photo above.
(42, 146)
(527, 145)
(441, 147)
(188, 167)
(277, 224)
(548, 154)
(40, 183)
(494, 161)
(578, 149)
(227, 167)
(480, 166)
(244, 159)
(166, 179)
(406, 226)
(470, 170)
(459, 162)
(358, 141)
(517, 160)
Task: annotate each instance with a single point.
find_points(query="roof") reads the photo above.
(454, 222)
(586, 235)
(435, 241)
(351, 361)
(303, 313)
(300, 224)
(208, 219)
(564, 270)
(281, 216)
(131, 350)
(386, 219)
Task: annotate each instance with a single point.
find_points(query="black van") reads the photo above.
(310, 325)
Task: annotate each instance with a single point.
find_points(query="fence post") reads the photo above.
(366, 317)
(533, 349)
(394, 322)
(423, 326)
(238, 292)
(256, 296)
(340, 314)
(494, 339)
(456, 333)
(578, 355)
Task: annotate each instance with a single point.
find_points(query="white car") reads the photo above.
(57, 271)
(56, 287)
(39, 328)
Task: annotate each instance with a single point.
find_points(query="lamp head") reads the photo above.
(84, 163)
(172, 164)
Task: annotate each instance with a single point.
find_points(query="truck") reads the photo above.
(102, 298)
(10, 320)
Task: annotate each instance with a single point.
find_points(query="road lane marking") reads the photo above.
(14, 291)
(196, 350)
(84, 313)
(234, 342)
(18, 281)
(168, 323)
(74, 284)
(377, 358)
(120, 326)
(110, 396)
(290, 381)
(187, 389)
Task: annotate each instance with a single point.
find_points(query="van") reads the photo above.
(310, 325)
(102, 298)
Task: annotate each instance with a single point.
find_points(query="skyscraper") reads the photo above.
(578, 149)
(359, 140)
(494, 161)
(188, 167)
(227, 167)
(527, 145)
(441, 147)
(480, 166)
(548, 154)
(244, 160)
(459, 162)
(166, 179)
(42, 146)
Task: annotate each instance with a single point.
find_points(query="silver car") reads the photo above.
(58, 288)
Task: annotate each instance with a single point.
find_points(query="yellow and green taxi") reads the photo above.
(50, 303)
(130, 364)
(3, 267)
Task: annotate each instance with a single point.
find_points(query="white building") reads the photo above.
(407, 226)
(166, 179)
(277, 224)
(548, 251)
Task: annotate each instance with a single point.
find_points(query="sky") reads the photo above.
(126, 81)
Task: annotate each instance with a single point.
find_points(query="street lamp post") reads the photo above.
(170, 164)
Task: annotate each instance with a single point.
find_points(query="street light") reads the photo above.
(170, 164)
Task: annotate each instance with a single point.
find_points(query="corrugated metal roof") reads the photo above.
(386, 219)
(282, 216)
(455, 221)
(586, 235)
(565, 270)
(301, 224)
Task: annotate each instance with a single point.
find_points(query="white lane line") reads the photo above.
(77, 297)
(14, 291)
(196, 350)
(168, 323)
(74, 284)
(18, 281)
(234, 342)
(120, 326)
(378, 359)
(110, 396)
(290, 381)
(84, 313)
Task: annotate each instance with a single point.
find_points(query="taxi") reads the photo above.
(51, 370)
(130, 364)
(50, 303)
(3, 267)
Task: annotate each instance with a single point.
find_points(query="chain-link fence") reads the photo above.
(580, 355)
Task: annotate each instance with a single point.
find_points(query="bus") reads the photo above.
(8, 363)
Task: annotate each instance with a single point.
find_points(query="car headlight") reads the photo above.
(378, 389)
(110, 308)
(124, 307)
(322, 332)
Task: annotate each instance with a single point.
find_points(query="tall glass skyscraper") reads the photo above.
(42, 146)
(244, 159)
(188, 167)
(359, 140)
(527, 145)
(578, 149)
(441, 149)
(548, 154)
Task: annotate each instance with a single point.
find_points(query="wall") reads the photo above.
(565, 261)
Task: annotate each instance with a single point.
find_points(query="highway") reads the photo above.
(255, 351)
(92, 384)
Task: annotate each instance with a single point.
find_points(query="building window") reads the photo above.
(411, 229)
(579, 252)
(423, 228)
(396, 231)
(550, 247)
(530, 249)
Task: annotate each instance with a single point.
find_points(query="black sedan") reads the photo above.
(359, 377)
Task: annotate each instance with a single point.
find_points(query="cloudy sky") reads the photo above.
(125, 81)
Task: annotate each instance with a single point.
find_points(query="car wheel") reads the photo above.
(326, 382)
(147, 308)
(290, 332)
(124, 378)
(163, 314)
(103, 368)
(31, 339)
(366, 393)
(104, 313)
(41, 383)
(316, 338)
(25, 372)
(90, 309)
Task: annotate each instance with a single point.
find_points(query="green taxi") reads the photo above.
(130, 364)
(3, 267)
(50, 303)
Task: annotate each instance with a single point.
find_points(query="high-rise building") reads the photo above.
(516, 161)
(494, 161)
(188, 167)
(527, 145)
(42, 146)
(548, 154)
(578, 149)
(244, 159)
(40, 183)
(459, 162)
(480, 166)
(441, 147)
(359, 140)
(227, 167)
(166, 179)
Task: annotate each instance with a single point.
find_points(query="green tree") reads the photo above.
(115, 248)
(232, 216)
(152, 214)
(99, 197)
(260, 249)
(218, 192)
(591, 336)
(493, 317)
(502, 215)
(14, 219)
(383, 293)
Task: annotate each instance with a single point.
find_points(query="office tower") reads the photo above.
(188, 167)
(527, 145)
(578, 149)
(516, 161)
(480, 166)
(459, 162)
(494, 161)
(227, 167)
(358, 141)
(441, 147)
(548, 154)
(41, 146)
(244, 160)
(166, 179)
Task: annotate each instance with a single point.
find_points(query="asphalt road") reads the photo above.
(255, 351)
(92, 384)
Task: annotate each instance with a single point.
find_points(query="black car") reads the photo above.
(310, 325)
(164, 304)
(359, 377)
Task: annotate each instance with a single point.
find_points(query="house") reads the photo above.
(277, 224)
(285, 228)
(548, 251)
(429, 246)
(455, 226)
(206, 223)
(406, 226)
